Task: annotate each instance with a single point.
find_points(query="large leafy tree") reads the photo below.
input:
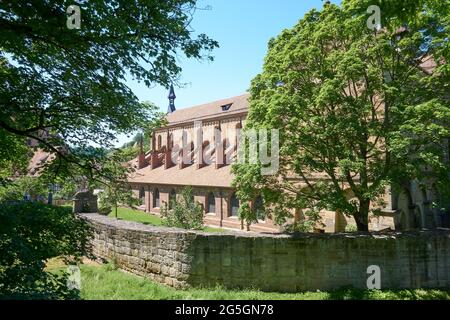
(358, 109)
(71, 82)
(65, 88)
(30, 234)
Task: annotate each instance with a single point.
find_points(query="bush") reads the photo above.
(186, 213)
(351, 228)
(16, 190)
(30, 234)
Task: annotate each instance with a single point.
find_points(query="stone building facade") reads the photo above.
(160, 177)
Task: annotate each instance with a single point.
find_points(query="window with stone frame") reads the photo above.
(258, 206)
(156, 198)
(142, 194)
(234, 206)
(210, 203)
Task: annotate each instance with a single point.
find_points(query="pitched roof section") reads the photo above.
(207, 176)
(239, 104)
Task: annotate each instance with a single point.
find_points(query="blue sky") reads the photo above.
(243, 29)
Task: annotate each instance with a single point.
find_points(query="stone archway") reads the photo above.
(434, 201)
(404, 215)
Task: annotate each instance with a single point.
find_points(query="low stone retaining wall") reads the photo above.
(283, 263)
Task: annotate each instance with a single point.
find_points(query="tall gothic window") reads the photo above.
(211, 203)
(142, 194)
(234, 205)
(258, 206)
(156, 198)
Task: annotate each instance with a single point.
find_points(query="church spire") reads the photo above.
(171, 97)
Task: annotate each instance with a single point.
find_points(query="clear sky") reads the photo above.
(243, 29)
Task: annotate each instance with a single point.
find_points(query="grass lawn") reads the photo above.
(146, 218)
(104, 282)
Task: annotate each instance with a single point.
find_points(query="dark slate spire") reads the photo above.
(171, 97)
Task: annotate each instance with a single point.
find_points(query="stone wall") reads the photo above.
(274, 262)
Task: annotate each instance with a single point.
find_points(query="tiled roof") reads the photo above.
(39, 159)
(206, 176)
(239, 104)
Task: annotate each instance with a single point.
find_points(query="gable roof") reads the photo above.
(239, 104)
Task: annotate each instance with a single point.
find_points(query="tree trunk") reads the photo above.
(362, 219)
(361, 225)
(115, 208)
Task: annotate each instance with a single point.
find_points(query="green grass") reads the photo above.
(146, 218)
(106, 283)
(136, 215)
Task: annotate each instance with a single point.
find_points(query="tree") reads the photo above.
(65, 88)
(357, 109)
(183, 213)
(31, 186)
(116, 189)
(69, 83)
(13, 156)
(30, 234)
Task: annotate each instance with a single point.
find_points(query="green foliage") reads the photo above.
(116, 189)
(30, 234)
(71, 82)
(105, 283)
(354, 108)
(68, 188)
(131, 148)
(115, 195)
(13, 155)
(147, 218)
(351, 228)
(15, 191)
(183, 213)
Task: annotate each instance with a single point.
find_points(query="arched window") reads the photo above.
(258, 206)
(211, 203)
(142, 194)
(172, 198)
(404, 219)
(156, 198)
(234, 205)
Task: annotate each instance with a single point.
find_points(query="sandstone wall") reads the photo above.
(277, 263)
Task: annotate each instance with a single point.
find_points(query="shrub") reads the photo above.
(351, 228)
(16, 190)
(30, 234)
(186, 213)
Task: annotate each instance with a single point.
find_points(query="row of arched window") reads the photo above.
(170, 137)
(210, 202)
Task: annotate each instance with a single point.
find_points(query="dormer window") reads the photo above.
(226, 107)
